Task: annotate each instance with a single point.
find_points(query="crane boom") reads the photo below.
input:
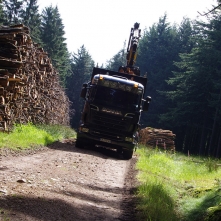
(132, 51)
(133, 44)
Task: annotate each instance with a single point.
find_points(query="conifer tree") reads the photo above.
(2, 14)
(117, 60)
(13, 11)
(197, 114)
(158, 49)
(52, 36)
(186, 35)
(81, 67)
(32, 19)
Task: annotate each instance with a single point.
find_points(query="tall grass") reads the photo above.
(58, 132)
(25, 136)
(155, 202)
(175, 186)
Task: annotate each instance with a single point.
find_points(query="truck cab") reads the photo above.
(112, 110)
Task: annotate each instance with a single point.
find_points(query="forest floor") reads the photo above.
(62, 182)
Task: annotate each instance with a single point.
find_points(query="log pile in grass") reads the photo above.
(157, 138)
(30, 90)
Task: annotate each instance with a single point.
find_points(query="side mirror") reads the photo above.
(83, 91)
(146, 103)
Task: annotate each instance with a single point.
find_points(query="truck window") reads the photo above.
(116, 98)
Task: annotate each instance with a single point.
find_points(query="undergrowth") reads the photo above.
(177, 187)
(26, 136)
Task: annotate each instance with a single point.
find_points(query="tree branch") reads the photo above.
(210, 10)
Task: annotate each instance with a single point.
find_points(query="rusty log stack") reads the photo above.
(30, 89)
(157, 138)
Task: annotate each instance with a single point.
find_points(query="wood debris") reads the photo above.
(157, 138)
(30, 89)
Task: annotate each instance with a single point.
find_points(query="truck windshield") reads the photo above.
(115, 98)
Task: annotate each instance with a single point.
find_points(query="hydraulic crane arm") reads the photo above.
(133, 44)
(132, 51)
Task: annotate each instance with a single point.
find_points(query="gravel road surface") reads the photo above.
(62, 182)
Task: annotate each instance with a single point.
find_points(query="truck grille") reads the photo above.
(108, 125)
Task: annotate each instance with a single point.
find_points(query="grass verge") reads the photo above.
(177, 187)
(26, 136)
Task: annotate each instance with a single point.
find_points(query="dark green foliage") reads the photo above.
(2, 14)
(25, 12)
(209, 209)
(13, 10)
(186, 36)
(159, 47)
(32, 19)
(52, 35)
(118, 60)
(197, 95)
(184, 80)
(81, 68)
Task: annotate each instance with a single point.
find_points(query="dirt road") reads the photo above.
(62, 182)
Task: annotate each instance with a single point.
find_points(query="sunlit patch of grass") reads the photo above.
(25, 136)
(155, 202)
(186, 181)
(59, 132)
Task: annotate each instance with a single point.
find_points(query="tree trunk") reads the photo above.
(214, 126)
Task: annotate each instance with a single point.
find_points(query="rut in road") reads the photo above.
(61, 182)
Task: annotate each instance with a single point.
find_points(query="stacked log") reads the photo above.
(30, 90)
(157, 138)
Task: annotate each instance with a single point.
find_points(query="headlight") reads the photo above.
(94, 81)
(84, 129)
(129, 139)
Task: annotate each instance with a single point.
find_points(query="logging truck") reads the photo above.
(114, 101)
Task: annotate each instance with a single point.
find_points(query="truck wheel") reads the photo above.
(119, 150)
(127, 154)
(79, 143)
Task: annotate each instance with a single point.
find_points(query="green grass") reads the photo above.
(176, 187)
(58, 132)
(26, 136)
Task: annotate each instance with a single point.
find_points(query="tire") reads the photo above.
(119, 150)
(79, 143)
(127, 154)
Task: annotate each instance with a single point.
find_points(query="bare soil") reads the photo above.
(62, 182)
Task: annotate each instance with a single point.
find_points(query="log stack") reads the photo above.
(157, 138)
(30, 90)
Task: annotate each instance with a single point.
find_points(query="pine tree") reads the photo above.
(185, 42)
(32, 19)
(159, 48)
(117, 60)
(2, 14)
(52, 36)
(186, 35)
(13, 11)
(197, 114)
(81, 67)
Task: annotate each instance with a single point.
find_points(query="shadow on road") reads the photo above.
(45, 209)
(98, 151)
(32, 208)
(91, 207)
